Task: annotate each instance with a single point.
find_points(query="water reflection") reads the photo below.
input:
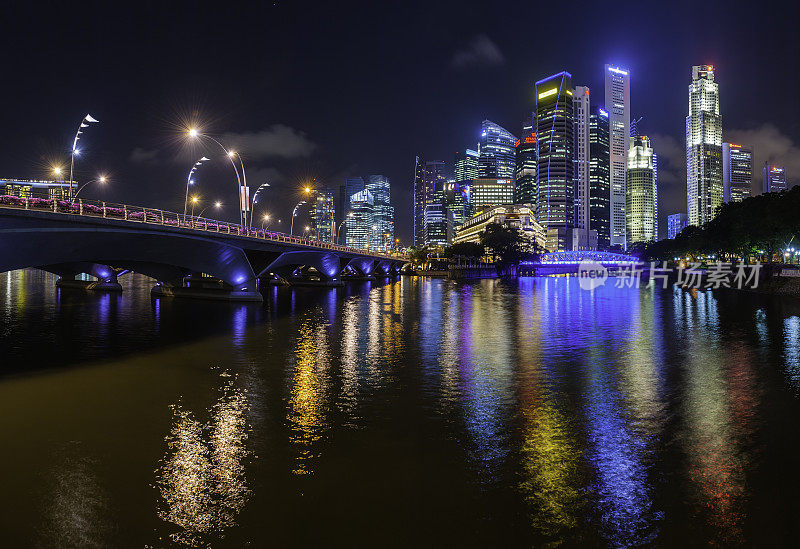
(202, 476)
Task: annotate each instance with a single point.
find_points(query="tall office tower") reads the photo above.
(773, 179)
(323, 214)
(599, 177)
(676, 223)
(525, 173)
(419, 203)
(466, 165)
(641, 207)
(497, 151)
(433, 182)
(491, 192)
(359, 225)
(580, 117)
(351, 186)
(555, 153)
(618, 104)
(703, 147)
(383, 213)
(456, 199)
(737, 172)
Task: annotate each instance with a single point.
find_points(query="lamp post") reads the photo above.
(217, 206)
(101, 179)
(349, 216)
(194, 133)
(195, 200)
(294, 214)
(256, 196)
(190, 181)
(264, 220)
(88, 119)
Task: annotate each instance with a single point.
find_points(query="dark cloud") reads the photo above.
(671, 177)
(143, 156)
(277, 141)
(769, 144)
(481, 52)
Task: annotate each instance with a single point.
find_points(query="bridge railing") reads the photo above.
(154, 216)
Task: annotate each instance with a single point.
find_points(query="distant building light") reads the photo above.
(548, 93)
(618, 71)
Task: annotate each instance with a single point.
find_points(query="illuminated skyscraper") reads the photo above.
(555, 146)
(704, 190)
(491, 192)
(773, 179)
(618, 105)
(641, 207)
(432, 184)
(497, 152)
(676, 223)
(580, 118)
(323, 214)
(599, 177)
(351, 186)
(419, 203)
(525, 173)
(737, 172)
(383, 213)
(359, 225)
(465, 166)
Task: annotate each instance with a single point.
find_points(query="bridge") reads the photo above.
(187, 256)
(568, 262)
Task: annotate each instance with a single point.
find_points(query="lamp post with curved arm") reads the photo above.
(217, 205)
(349, 216)
(294, 214)
(264, 220)
(190, 181)
(194, 133)
(255, 200)
(102, 179)
(88, 119)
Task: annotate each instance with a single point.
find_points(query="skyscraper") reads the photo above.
(359, 225)
(465, 166)
(555, 146)
(491, 192)
(704, 190)
(383, 213)
(676, 223)
(525, 172)
(641, 207)
(737, 172)
(497, 152)
(773, 179)
(618, 104)
(351, 186)
(323, 214)
(419, 203)
(599, 177)
(433, 183)
(580, 118)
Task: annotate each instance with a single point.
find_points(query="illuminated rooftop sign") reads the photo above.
(618, 71)
(548, 93)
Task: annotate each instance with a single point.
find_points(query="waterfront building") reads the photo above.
(433, 184)
(29, 188)
(564, 239)
(641, 205)
(383, 216)
(704, 190)
(618, 105)
(361, 220)
(580, 115)
(599, 177)
(419, 203)
(352, 185)
(438, 225)
(525, 171)
(737, 172)
(457, 200)
(496, 152)
(773, 179)
(520, 217)
(491, 192)
(323, 214)
(465, 166)
(676, 223)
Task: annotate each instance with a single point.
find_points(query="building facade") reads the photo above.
(525, 171)
(361, 220)
(491, 192)
(418, 236)
(581, 110)
(497, 151)
(704, 190)
(555, 152)
(641, 207)
(599, 177)
(676, 223)
(737, 172)
(773, 179)
(323, 214)
(518, 217)
(618, 105)
(465, 166)
(383, 213)
(27, 188)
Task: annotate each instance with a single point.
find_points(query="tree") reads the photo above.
(470, 250)
(505, 245)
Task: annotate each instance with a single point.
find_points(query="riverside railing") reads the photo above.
(154, 216)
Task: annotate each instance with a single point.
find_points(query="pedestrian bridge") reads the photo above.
(569, 262)
(186, 255)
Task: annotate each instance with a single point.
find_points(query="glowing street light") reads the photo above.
(190, 181)
(264, 220)
(102, 179)
(349, 216)
(195, 200)
(294, 214)
(88, 119)
(217, 206)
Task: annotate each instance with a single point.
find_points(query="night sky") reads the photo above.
(329, 90)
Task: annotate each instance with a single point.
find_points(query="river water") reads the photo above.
(409, 412)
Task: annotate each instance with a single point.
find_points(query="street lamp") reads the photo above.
(256, 196)
(349, 216)
(294, 214)
(195, 200)
(101, 179)
(88, 119)
(190, 181)
(217, 206)
(264, 220)
(194, 133)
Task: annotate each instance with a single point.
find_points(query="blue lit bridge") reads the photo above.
(188, 256)
(568, 262)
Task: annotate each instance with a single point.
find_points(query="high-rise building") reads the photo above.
(555, 152)
(704, 191)
(465, 166)
(383, 213)
(773, 179)
(525, 172)
(491, 192)
(641, 208)
(457, 200)
(580, 117)
(433, 183)
(618, 105)
(497, 152)
(419, 203)
(361, 220)
(676, 223)
(323, 214)
(351, 186)
(599, 177)
(737, 172)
